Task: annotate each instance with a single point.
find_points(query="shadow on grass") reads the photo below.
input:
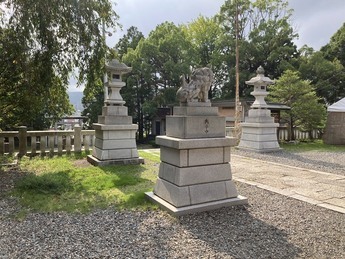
(82, 189)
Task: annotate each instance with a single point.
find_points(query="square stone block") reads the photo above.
(115, 120)
(118, 134)
(259, 128)
(175, 195)
(239, 200)
(114, 110)
(231, 189)
(206, 156)
(115, 143)
(194, 175)
(259, 146)
(178, 143)
(260, 119)
(196, 111)
(98, 126)
(195, 157)
(195, 126)
(100, 154)
(123, 153)
(207, 192)
(174, 156)
(104, 154)
(259, 113)
(259, 137)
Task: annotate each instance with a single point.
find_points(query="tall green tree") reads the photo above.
(158, 62)
(306, 110)
(265, 37)
(336, 47)
(202, 34)
(328, 76)
(129, 41)
(49, 40)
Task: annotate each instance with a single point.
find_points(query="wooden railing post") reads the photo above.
(77, 139)
(22, 135)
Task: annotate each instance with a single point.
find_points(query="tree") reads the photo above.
(129, 41)
(336, 47)
(328, 76)
(157, 63)
(306, 110)
(265, 38)
(203, 33)
(48, 40)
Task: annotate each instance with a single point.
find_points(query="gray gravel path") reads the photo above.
(272, 226)
(331, 162)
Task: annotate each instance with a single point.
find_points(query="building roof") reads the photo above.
(231, 104)
(339, 106)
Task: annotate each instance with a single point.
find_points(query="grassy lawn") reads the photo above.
(316, 145)
(71, 184)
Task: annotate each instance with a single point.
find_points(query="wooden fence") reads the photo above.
(49, 142)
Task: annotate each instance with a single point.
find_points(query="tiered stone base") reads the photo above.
(259, 132)
(195, 175)
(115, 138)
(239, 200)
(125, 161)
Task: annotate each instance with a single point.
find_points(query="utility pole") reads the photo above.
(237, 129)
(105, 76)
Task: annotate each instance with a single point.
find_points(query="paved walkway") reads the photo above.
(319, 188)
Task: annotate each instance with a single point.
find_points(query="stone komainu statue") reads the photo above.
(197, 89)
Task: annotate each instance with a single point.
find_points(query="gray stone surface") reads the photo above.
(196, 111)
(178, 143)
(195, 157)
(195, 126)
(180, 211)
(178, 196)
(194, 175)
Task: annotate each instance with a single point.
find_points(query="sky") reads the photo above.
(314, 20)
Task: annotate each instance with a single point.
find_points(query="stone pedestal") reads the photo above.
(259, 132)
(195, 172)
(115, 138)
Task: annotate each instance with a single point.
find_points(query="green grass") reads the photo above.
(316, 145)
(70, 184)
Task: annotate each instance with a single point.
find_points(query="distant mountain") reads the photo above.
(75, 99)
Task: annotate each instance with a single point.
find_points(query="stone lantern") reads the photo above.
(260, 82)
(115, 141)
(259, 132)
(116, 70)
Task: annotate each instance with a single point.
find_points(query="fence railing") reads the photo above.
(49, 142)
(283, 135)
(58, 142)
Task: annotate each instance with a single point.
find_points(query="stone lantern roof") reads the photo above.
(115, 66)
(260, 79)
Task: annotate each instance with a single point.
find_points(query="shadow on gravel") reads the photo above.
(234, 232)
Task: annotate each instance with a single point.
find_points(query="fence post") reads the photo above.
(77, 138)
(22, 136)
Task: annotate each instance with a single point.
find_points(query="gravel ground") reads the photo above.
(271, 226)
